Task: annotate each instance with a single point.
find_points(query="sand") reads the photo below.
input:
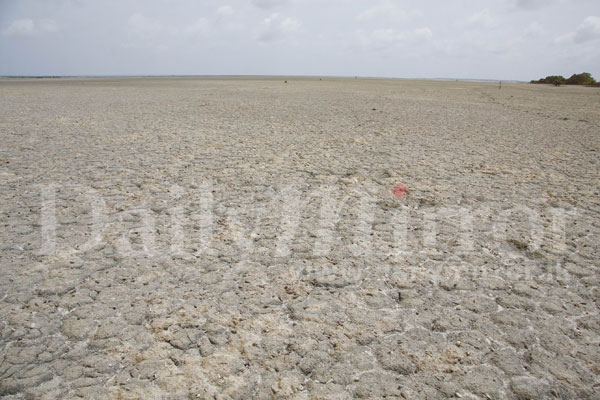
(239, 238)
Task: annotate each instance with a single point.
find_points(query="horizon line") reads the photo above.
(255, 76)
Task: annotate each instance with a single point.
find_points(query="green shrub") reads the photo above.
(553, 80)
(585, 78)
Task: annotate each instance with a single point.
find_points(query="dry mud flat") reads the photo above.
(228, 238)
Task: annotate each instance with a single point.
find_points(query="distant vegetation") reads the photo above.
(585, 78)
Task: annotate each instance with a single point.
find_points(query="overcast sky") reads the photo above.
(501, 39)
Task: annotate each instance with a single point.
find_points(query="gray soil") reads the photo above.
(177, 238)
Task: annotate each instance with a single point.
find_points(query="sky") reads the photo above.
(461, 39)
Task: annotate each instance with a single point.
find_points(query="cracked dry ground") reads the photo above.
(252, 308)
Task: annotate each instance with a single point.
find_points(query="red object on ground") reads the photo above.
(399, 190)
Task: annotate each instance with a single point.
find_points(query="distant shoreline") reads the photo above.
(252, 76)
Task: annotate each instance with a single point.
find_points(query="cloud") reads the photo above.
(531, 4)
(422, 33)
(504, 47)
(388, 10)
(20, 27)
(588, 30)
(289, 25)
(28, 27)
(153, 30)
(47, 26)
(144, 27)
(276, 28)
(225, 11)
(382, 39)
(268, 4)
(147, 33)
(199, 27)
(481, 19)
(535, 29)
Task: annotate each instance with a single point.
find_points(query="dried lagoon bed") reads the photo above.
(239, 238)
